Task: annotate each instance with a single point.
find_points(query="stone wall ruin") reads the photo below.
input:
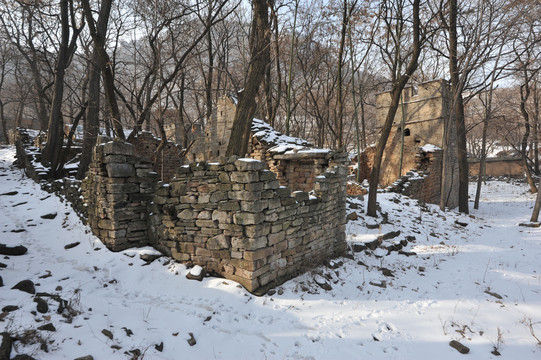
(422, 119)
(232, 217)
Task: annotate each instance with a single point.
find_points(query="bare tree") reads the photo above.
(260, 58)
(394, 18)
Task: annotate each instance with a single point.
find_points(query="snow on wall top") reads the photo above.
(280, 143)
(430, 148)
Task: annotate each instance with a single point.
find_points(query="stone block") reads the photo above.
(254, 206)
(257, 230)
(254, 186)
(245, 218)
(272, 185)
(244, 177)
(206, 223)
(266, 175)
(229, 206)
(119, 159)
(258, 254)
(178, 189)
(118, 147)
(218, 196)
(218, 242)
(277, 237)
(244, 195)
(120, 170)
(223, 217)
(244, 164)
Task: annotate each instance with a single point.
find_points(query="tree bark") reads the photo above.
(260, 58)
(105, 63)
(457, 109)
(52, 153)
(396, 92)
(91, 125)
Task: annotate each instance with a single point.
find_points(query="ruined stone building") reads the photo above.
(419, 133)
(257, 221)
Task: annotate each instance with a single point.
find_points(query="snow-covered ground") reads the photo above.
(376, 306)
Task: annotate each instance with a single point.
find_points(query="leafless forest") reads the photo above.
(309, 68)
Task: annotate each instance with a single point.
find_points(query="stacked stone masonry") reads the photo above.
(232, 217)
(118, 190)
(169, 158)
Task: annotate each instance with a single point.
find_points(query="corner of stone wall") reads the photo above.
(235, 219)
(118, 190)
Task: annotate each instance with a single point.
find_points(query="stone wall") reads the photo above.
(118, 190)
(169, 158)
(236, 220)
(511, 167)
(422, 119)
(231, 217)
(424, 113)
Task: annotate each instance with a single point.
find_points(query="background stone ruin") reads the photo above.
(422, 120)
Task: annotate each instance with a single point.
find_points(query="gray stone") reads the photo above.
(245, 218)
(118, 147)
(120, 170)
(249, 165)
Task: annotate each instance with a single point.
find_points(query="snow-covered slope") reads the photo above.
(377, 304)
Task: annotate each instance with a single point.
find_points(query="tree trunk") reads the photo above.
(396, 92)
(524, 95)
(260, 58)
(92, 122)
(339, 80)
(457, 110)
(537, 206)
(52, 153)
(105, 63)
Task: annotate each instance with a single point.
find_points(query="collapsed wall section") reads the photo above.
(236, 220)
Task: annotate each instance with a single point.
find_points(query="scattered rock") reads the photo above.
(372, 226)
(107, 333)
(3, 266)
(23, 357)
(352, 216)
(128, 331)
(1, 282)
(459, 347)
(5, 347)
(26, 286)
(136, 353)
(334, 264)
(271, 292)
(407, 253)
(497, 296)
(159, 347)
(10, 308)
(382, 284)
(18, 231)
(191, 340)
(150, 257)
(88, 357)
(463, 224)
(49, 216)
(391, 235)
(358, 247)
(322, 283)
(46, 275)
(387, 272)
(72, 245)
(42, 306)
(531, 224)
(196, 273)
(47, 327)
(11, 193)
(495, 352)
